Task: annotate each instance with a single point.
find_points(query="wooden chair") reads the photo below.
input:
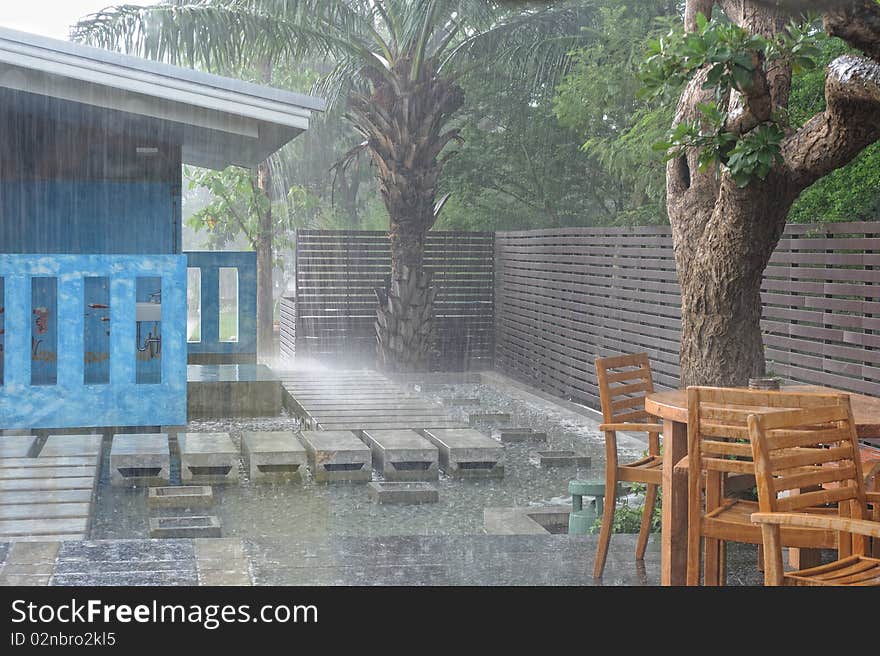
(719, 448)
(624, 381)
(813, 447)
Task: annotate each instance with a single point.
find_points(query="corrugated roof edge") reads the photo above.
(160, 68)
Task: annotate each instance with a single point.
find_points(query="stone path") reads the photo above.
(208, 561)
(48, 497)
(357, 560)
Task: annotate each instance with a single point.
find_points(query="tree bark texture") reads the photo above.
(723, 235)
(265, 263)
(402, 122)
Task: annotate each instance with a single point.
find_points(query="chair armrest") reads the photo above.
(860, 526)
(638, 428)
(681, 465)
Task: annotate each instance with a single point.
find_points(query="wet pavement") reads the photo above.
(483, 560)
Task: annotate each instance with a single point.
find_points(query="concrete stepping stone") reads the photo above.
(194, 526)
(462, 400)
(488, 418)
(207, 458)
(403, 492)
(467, 453)
(509, 435)
(180, 496)
(273, 456)
(71, 445)
(140, 459)
(403, 455)
(337, 456)
(562, 458)
(16, 446)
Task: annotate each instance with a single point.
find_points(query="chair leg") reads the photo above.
(607, 522)
(712, 561)
(647, 514)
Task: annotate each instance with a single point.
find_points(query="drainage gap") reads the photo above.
(413, 465)
(344, 466)
(210, 471)
(277, 469)
(139, 472)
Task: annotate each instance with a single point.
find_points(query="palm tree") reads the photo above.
(397, 64)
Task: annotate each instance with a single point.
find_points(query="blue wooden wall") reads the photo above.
(210, 263)
(89, 217)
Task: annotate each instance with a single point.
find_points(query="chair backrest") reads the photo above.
(813, 447)
(624, 380)
(718, 432)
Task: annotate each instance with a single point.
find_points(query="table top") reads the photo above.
(672, 405)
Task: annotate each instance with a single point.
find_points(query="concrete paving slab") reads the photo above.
(562, 458)
(273, 456)
(47, 484)
(403, 455)
(467, 453)
(71, 445)
(45, 510)
(16, 446)
(403, 492)
(337, 456)
(180, 496)
(207, 458)
(34, 497)
(193, 526)
(43, 527)
(140, 459)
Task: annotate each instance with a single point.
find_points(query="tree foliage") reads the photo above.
(237, 206)
(599, 100)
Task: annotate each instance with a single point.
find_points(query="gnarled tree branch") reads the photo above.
(850, 122)
(858, 24)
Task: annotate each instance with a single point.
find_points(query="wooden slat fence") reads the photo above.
(566, 296)
(335, 303)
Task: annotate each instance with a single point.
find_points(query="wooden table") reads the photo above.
(671, 407)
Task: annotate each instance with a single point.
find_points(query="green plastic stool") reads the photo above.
(580, 521)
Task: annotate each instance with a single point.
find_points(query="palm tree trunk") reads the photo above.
(404, 127)
(405, 317)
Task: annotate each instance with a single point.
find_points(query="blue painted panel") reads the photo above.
(96, 331)
(89, 217)
(2, 327)
(148, 366)
(44, 333)
(210, 263)
(70, 402)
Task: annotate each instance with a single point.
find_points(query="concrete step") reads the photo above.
(403, 455)
(140, 459)
(467, 453)
(273, 456)
(207, 458)
(337, 455)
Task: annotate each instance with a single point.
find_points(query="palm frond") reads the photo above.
(531, 41)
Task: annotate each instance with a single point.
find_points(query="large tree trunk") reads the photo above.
(403, 126)
(265, 262)
(724, 235)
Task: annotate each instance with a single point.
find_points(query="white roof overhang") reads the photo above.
(218, 121)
